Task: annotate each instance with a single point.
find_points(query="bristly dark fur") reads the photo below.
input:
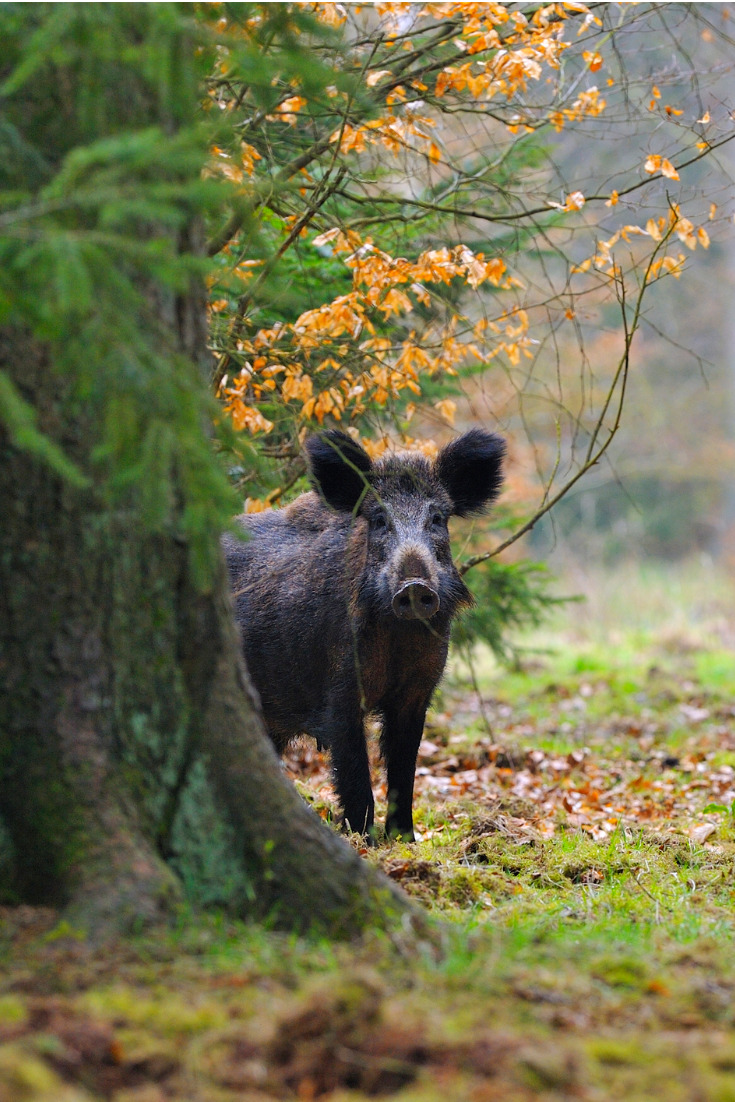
(471, 468)
(338, 467)
(329, 593)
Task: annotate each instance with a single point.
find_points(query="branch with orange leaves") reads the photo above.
(244, 301)
(506, 217)
(298, 164)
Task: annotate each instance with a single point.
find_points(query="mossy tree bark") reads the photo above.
(134, 768)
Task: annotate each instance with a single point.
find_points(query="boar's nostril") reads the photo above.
(415, 600)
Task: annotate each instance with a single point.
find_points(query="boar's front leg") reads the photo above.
(403, 726)
(351, 769)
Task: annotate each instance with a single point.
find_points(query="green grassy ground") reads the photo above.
(577, 847)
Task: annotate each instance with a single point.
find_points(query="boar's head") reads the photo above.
(405, 502)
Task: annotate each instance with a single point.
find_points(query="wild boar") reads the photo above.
(345, 600)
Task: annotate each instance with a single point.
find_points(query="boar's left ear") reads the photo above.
(339, 468)
(471, 470)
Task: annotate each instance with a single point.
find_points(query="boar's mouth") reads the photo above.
(415, 600)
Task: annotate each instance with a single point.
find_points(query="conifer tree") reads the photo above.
(134, 771)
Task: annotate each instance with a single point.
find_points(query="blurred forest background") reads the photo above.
(648, 537)
(665, 488)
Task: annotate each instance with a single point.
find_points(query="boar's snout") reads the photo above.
(415, 600)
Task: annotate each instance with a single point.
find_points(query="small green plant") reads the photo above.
(721, 809)
(509, 598)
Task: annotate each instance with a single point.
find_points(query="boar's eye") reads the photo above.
(437, 520)
(380, 520)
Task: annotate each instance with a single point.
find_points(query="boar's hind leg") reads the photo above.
(352, 773)
(403, 727)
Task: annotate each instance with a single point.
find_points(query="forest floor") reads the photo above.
(576, 843)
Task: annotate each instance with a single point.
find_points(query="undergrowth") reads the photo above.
(577, 849)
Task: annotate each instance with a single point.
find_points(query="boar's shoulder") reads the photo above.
(305, 531)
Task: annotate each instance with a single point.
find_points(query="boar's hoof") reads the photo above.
(415, 600)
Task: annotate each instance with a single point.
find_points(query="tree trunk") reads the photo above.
(134, 768)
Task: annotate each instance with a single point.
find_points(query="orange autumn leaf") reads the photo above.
(593, 59)
(657, 163)
(447, 408)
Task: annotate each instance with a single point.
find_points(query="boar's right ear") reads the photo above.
(339, 469)
(471, 470)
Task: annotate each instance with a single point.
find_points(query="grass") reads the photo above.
(586, 898)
